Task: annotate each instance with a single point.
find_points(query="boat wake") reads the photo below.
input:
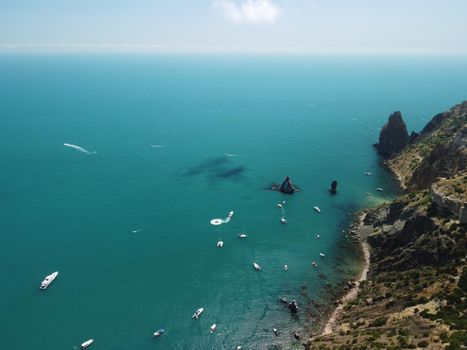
(232, 155)
(156, 146)
(81, 149)
(216, 222)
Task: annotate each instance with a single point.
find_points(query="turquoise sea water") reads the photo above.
(312, 118)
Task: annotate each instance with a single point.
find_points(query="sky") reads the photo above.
(378, 26)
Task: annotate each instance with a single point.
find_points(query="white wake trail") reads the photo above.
(81, 149)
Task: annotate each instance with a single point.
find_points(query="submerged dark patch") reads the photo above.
(215, 169)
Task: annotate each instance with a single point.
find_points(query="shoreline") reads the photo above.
(352, 293)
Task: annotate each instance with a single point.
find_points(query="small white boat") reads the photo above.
(242, 235)
(87, 344)
(48, 280)
(213, 328)
(238, 347)
(317, 209)
(379, 189)
(317, 236)
(321, 254)
(279, 205)
(230, 214)
(220, 244)
(284, 220)
(198, 313)
(158, 333)
(367, 173)
(286, 267)
(256, 266)
(314, 264)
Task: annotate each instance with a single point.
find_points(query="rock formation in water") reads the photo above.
(416, 291)
(287, 186)
(393, 136)
(293, 307)
(333, 189)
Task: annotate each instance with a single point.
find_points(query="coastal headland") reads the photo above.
(413, 293)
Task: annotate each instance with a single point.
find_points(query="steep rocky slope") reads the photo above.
(440, 150)
(416, 292)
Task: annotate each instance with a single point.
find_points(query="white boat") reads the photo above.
(279, 205)
(317, 236)
(317, 209)
(242, 235)
(286, 267)
(256, 266)
(158, 333)
(87, 344)
(213, 328)
(284, 220)
(314, 264)
(220, 244)
(368, 173)
(230, 214)
(238, 347)
(198, 313)
(379, 189)
(48, 280)
(321, 254)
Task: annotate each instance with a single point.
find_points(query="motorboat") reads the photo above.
(48, 280)
(284, 220)
(284, 300)
(158, 333)
(317, 236)
(379, 189)
(213, 328)
(256, 266)
(230, 214)
(220, 244)
(279, 205)
(276, 333)
(242, 235)
(367, 173)
(317, 209)
(198, 313)
(87, 344)
(314, 264)
(322, 254)
(286, 267)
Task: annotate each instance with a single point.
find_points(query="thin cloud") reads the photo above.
(249, 11)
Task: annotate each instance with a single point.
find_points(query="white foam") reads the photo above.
(232, 155)
(81, 149)
(156, 146)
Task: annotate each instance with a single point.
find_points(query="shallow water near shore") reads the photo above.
(172, 142)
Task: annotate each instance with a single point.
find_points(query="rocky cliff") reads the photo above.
(440, 150)
(393, 137)
(416, 292)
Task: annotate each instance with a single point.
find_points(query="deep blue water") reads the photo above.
(312, 118)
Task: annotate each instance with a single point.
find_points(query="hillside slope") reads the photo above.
(416, 292)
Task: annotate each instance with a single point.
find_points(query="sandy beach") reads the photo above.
(353, 292)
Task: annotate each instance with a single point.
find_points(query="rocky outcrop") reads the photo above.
(450, 195)
(440, 150)
(333, 189)
(393, 136)
(287, 186)
(416, 289)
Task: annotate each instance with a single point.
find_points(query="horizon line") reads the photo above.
(189, 49)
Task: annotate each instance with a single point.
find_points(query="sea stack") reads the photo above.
(333, 189)
(287, 186)
(393, 136)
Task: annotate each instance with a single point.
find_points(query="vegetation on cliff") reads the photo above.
(416, 292)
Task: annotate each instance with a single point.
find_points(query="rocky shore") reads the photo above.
(414, 292)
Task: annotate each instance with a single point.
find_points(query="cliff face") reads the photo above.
(416, 292)
(393, 137)
(440, 150)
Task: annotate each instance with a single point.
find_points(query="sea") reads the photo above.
(113, 165)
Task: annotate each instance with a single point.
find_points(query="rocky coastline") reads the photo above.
(414, 292)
